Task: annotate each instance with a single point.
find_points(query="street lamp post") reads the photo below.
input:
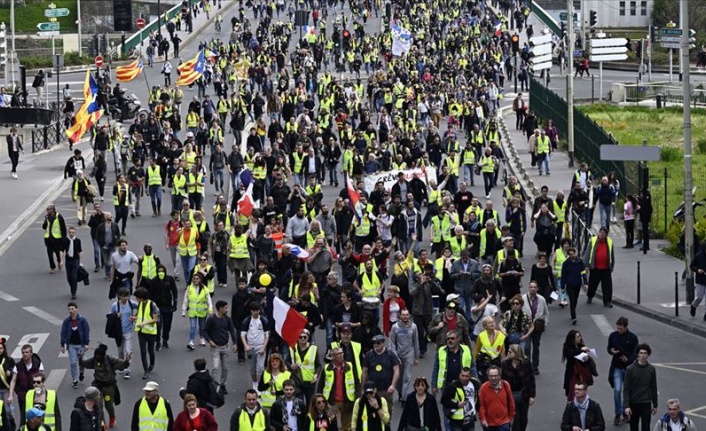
(159, 17)
(78, 24)
(12, 31)
(688, 198)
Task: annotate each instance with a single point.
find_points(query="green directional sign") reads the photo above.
(54, 13)
(564, 15)
(670, 31)
(48, 26)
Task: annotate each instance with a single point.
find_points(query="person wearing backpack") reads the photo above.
(201, 385)
(125, 310)
(104, 376)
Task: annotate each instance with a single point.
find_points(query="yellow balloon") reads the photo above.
(265, 280)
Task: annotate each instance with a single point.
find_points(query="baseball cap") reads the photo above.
(451, 296)
(369, 386)
(346, 327)
(34, 413)
(151, 386)
(378, 338)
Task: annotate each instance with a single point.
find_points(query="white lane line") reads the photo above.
(7, 297)
(603, 325)
(44, 315)
(35, 340)
(55, 378)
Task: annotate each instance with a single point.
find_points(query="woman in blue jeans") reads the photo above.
(197, 302)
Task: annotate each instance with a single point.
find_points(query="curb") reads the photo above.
(515, 165)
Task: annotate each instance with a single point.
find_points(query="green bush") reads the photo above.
(671, 154)
(41, 61)
(701, 145)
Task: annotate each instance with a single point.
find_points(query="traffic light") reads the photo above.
(3, 45)
(594, 18)
(691, 40)
(653, 33)
(563, 30)
(515, 43)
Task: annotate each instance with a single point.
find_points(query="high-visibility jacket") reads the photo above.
(307, 364)
(53, 229)
(223, 106)
(371, 284)
(441, 355)
(298, 162)
(149, 267)
(144, 314)
(356, 347)
(543, 145)
(441, 228)
(559, 262)
(260, 173)
(439, 266)
(179, 185)
(592, 254)
(484, 239)
(188, 249)
(559, 211)
(311, 239)
(210, 287)
(192, 120)
(195, 183)
(457, 246)
(269, 396)
(154, 176)
(502, 254)
(49, 411)
(239, 247)
(435, 197)
(487, 164)
(123, 190)
(198, 301)
(362, 228)
(149, 421)
(492, 350)
(469, 156)
(257, 423)
(458, 413)
(348, 381)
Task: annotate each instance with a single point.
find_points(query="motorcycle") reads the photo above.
(127, 110)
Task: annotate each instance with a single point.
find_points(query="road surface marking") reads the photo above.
(680, 369)
(7, 297)
(34, 340)
(44, 315)
(603, 324)
(683, 363)
(692, 412)
(55, 378)
(671, 304)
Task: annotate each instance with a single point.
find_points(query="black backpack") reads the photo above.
(215, 396)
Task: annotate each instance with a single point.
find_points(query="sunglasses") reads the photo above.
(303, 337)
(203, 260)
(37, 382)
(450, 338)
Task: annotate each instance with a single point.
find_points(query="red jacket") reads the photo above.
(208, 422)
(386, 325)
(498, 408)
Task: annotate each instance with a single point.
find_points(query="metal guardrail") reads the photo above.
(580, 234)
(635, 93)
(144, 34)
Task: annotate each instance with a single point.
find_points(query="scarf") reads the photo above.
(583, 408)
(296, 411)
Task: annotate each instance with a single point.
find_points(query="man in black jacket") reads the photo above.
(582, 413)
(279, 413)
(71, 250)
(163, 291)
(104, 376)
(199, 385)
(87, 414)
(460, 405)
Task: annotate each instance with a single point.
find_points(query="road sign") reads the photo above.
(564, 15)
(541, 40)
(53, 13)
(672, 39)
(48, 26)
(140, 23)
(578, 53)
(670, 45)
(542, 49)
(47, 33)
(670, 31)
(615, 41)
(609, 50)
(98, 61)
(630, 154)
(541, 52)
(608, 57)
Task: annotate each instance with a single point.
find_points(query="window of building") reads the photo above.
(643, 8)
(633, 8)
(622, 8)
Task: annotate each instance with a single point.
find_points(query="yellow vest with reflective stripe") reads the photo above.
(144, 314)
(155, 176)
(198, 301)
(192, 120)
(258, 424)
(209, 285)
(441, 356)
(189, 249)
(370, 285)
(542, 145)
(469, 157)
(492, 350)
(307, 363)
(484, 239)
(53, 229)
(441, 228)
(239, 247)
(348, 381)
(487, 164)
(298, 162)
(559, 211)
(457, 246)
(260, 173)
(157, 421)
(560, 258)
(459, 396)
(269, 396)
(195, 183)
(179, 185)
(363, 227)
(149, 267)
(49, 412)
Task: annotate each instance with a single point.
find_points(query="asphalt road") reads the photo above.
(33, 303)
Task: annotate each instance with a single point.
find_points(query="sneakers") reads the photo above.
(146, 376)
(112, 422)
(159, 346)
(74, 384)
(618, 420)
(126, 376)
(692, 311)
(190, 347)
(202, 343)
(573, 322)
(224, 391)
(80, 375)
(608, 305)
(165, 344)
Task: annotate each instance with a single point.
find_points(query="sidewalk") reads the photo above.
(657, 269)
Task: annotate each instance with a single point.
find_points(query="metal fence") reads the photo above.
(668, 193)
(588, 136)
(669, 93)
(580, 234)
(45, 137)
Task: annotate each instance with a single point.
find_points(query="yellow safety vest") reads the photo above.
(298, 162)
(258, 424)
(198, 301)
(157, 421)
(125, 192)
(144, 314)
(269, 396)
(435, 197)
(543, 145)
(192, 120)
(50, 408)
(492, 350)
(349, 381)
(441, 228)
(260, 173)
(484, 239)
(189, 249)
(53, 229)
(469, 157)
(307, 364)
(592, 255)
(487, 164)
(441, 356)
(195, 183)
(210, 287)
(559, 211)
(356, 353)
(500, 256)
(459, 396)
(239, 247)
(149, 267)
(363, 227)
(457, 246)
(179, 185)
(560, 258)
(155, 177)
(370, 285)
(439, 266)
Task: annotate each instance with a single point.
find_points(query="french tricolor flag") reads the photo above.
(289, 323)
(498, 28)
(353, 198)
(246, 203)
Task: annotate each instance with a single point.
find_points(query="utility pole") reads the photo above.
(570, 78)
(583, 25)
(78, 25)
(688, 198)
